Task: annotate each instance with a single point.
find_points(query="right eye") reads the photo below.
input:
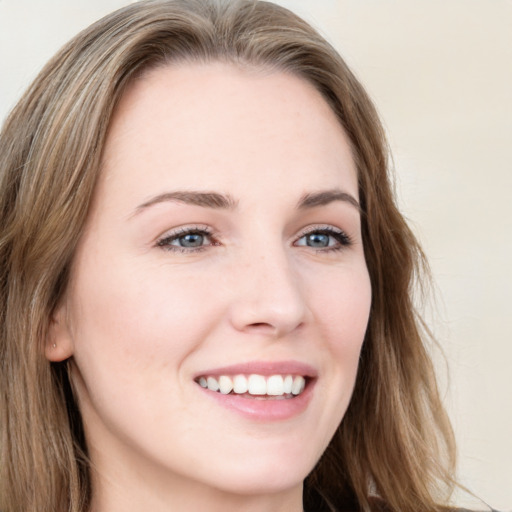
(186, 240)
(324, 238)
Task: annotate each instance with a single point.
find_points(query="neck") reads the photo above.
(110, 497)
(138, 488)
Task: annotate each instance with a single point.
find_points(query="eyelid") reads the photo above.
(175, 233)
(164, 241)
(343, 238)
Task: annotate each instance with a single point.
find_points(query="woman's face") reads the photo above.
(223, 248)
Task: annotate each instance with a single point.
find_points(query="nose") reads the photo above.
(269, 298)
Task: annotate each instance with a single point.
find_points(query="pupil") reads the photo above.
(192, 240)
(318, 240)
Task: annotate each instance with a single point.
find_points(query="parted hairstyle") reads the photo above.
(395, 441)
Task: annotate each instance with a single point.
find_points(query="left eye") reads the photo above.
(323, 239)
(192, 239)
(189, 240)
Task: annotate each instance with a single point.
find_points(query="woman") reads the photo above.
(206, 284)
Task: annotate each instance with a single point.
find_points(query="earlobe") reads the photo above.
(59, 343)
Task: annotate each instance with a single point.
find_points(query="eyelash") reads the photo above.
(342, 239)
(165, 242)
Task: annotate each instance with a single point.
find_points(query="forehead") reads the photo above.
(219, 125)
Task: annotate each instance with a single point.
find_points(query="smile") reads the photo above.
(255, 386)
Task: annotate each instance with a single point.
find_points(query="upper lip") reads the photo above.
(265, 368)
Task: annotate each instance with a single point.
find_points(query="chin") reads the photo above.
(263, 472)
(271, 480)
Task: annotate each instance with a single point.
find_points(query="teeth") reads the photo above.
(287, 384)
(212, 383)
(298, 385)
(275, 385)
(225, 384)
(256, 385)
(240, 384)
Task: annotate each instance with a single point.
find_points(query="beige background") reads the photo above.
(440, 72)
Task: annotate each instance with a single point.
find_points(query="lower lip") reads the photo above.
(264, 410)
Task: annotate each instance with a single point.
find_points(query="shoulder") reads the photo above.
(468, 510)
(489, 509)
(378, 505)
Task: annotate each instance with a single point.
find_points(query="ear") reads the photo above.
(59, 342)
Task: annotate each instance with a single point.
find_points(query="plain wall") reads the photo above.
(440, 72)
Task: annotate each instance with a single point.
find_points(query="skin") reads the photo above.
(141, 319)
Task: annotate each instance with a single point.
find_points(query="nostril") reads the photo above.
(261, 327)
(269, 329)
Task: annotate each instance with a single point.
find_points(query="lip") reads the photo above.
(262, 410)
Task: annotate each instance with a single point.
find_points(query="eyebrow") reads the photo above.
(227, 202)
(204, 199)
(325, 197)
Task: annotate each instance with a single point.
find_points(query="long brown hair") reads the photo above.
(395, 440)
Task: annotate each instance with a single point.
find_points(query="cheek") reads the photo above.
(151, 319)
(342, 307)
(341, 311)
(133, 332)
